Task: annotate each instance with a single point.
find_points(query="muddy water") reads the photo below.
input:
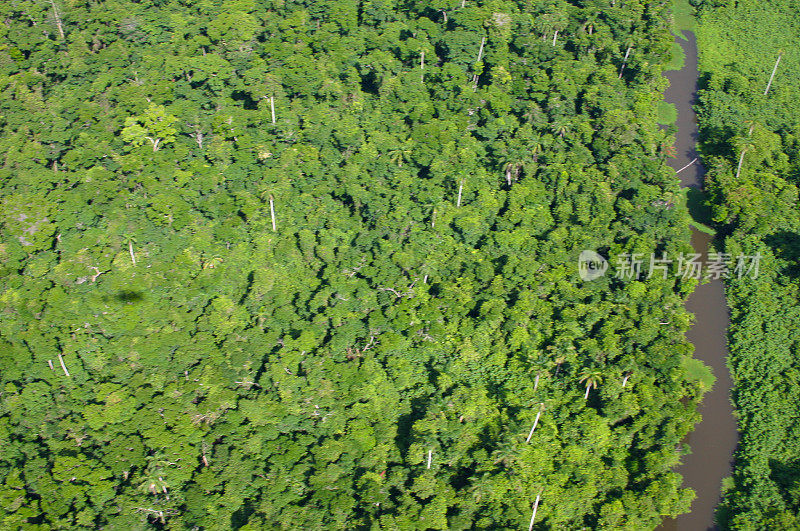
(714, 439)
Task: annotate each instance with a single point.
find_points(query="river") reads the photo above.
(714, 439)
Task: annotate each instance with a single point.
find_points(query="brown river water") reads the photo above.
(714, 439)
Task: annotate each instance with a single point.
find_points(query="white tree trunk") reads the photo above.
(480, 51)
(535, 507)
(625, 380)
(535, 422)
(272, 107)
(555, 36)
(272, 213)
(741, 160)
(422, 67)
(774, 69)
(130, 250)
(586, 395)
(624, 62)
(693, 161)
(61, 360)
(536, 382)
(460, 189)
(430, 456)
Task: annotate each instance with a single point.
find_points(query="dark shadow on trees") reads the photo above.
(786, 246)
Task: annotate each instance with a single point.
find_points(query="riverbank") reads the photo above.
(749, 64)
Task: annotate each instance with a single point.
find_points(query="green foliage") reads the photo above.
(666, 114)
(677, 57)
(154, 125)
(277, 320)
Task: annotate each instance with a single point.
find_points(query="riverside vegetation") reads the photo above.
(312, 265)
(750, 136)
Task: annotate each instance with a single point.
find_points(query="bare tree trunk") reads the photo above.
(57, 18)
(61, 360)
(741, 160)
(535, 507)
(130, 250)
(480, 51)
(774, 69)
(272, 107)
(422, 67)
(625, 380)
(272, 212)
(50, 363)
(585, 396)
(433, 218)
(535, 422)
(555, 36)
(430, 456)
(536, 382)
(460, 189)
(624, 62)
(693, 161)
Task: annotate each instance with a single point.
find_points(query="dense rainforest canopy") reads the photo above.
(312, 265)
(750, 135)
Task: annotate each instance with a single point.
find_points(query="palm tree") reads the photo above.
(512, 169)
(563, 354)
(559, 360)
(535, 147)
(591, 20)
(154, 484)
(561, 127)
(212, 262)
(483, 488)
(593, 377)
(504, 454)
(154, 475)
(533, 114)
(625, 379)
(401, 153)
